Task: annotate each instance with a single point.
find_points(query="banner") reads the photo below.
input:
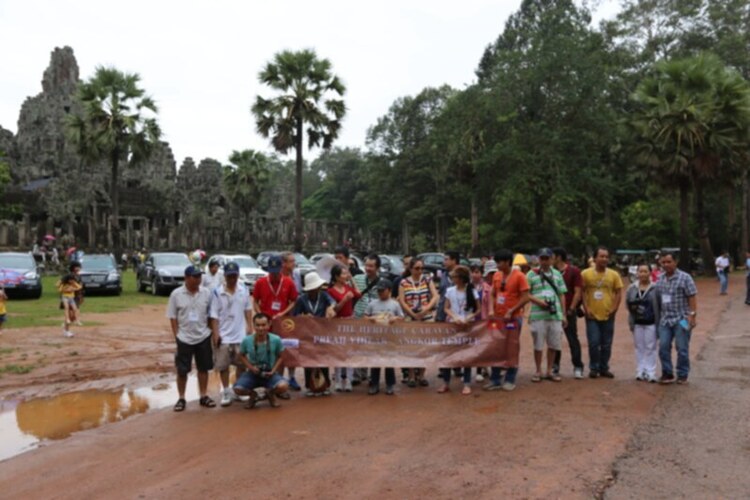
(360, 343)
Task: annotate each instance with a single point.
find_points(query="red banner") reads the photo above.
(360, 343)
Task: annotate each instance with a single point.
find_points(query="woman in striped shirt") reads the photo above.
(418, 298)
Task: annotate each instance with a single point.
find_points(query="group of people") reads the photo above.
(218, 323)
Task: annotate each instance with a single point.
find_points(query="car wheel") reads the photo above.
(139, 284)
(36, 294)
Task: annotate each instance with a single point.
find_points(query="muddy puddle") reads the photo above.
(24, 424)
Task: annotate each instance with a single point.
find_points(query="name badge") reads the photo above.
(666, 299)
(276, 305)
(501, 300)
(193, 317)
(598, 295)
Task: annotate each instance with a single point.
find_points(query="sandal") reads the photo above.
(466, 390)
(251, 401)
(412, 383)
(180, 405)
(207, 402)
(536, 378)
(443, 389)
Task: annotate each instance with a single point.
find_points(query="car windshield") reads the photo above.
(301, 259)
(397, 267)
(17, 262)
(244, 261)
(97, 263)
(171, 260)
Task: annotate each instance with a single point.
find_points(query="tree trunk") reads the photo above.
(404, 236)
(745, 230)
(703, 238)
(114, 196)
(298, 191)
(733, 242)
(474, 225)
(684, 230)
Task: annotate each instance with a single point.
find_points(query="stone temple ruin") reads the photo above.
(53, 191)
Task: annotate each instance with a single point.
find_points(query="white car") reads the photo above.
(250, 271)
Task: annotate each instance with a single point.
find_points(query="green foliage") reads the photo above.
(246, 178)
(4, 172)
(649, 224)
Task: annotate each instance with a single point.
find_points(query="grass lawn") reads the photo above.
(24, 313)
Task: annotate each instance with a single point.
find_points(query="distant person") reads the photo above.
(289, 270)
(405, 260)
(677, 318)
(547, 318)
(722, 272)
(574, 284)
(747, 278)
(387, 310)
(450, 261)
(602, 294)
(124, 261)
(3, 310)
(75, 270)
(342, 254)
(366, 284)
(461, 307)
(261, 355)
(418, 298)
(315, 302)
(187, 311)
(643, 305)
(482, 294)
(68, 286)
(231, 314)
(214, 277)
(345, 296)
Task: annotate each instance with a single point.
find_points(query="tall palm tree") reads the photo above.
(118, 125)
(308, 95)
(692, 119)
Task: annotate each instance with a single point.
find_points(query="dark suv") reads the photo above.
(99, 274)
(162, 272)
(19, 273)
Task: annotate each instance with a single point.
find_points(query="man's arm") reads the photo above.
(173, 324)
(214, 324)
(693, 304)
(616, 303)
(577, 294)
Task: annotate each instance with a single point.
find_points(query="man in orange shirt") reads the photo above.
(510, 292)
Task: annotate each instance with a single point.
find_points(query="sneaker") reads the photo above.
(338, 387)
(653, 380)
(509, 386)
(347, 385)
(251, 399)
(374, 389)
(479, 378)
(294, 385)
(309, 394)
(326, 393)
(491, 386)
(578, 373)
(607, 374)
(67, 334)
(389, 390)
(283, 395)
(226, 397)
(682, 380)
(555, 370)
(271, 396)
(593, 374)
(666, 379)
(639, 377)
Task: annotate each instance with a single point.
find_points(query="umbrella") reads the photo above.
(10, 277)
(50, 237)
(70, 251)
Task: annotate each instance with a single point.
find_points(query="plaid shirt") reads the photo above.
(674, 293)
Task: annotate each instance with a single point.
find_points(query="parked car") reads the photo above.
(303, 264)
(162, 272)
(20, 275)
(263, 258)
(250, 270)
(434, 263)
(391, 266)
(99, 274)
(318, 256)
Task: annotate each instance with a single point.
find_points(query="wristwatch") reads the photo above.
(691, 313)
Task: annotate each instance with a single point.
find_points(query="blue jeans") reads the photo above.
(682, 342)
(249, 381)
(723, 281)
(600, 335)
(510, 373)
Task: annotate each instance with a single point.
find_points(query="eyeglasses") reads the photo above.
(418, 268)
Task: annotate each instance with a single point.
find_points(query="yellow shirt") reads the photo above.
(69, 289)
(599, 291)
(2, 305)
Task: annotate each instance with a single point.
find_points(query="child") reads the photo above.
(3, 298)
(68, 286)
(461, 307)
(387, 310)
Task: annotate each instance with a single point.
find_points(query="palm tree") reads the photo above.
(307, 97)
(245, 179)
(692, 119)
(118, 125)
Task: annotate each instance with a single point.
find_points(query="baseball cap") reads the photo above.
(193, 271)
(231, 269)
(274, 264)
(384, 284)
(489, 267)
(545, 252)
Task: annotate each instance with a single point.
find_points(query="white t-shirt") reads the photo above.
(458, 302)
(721, 263)
(230, 309)
(191, 312)
(211, 281)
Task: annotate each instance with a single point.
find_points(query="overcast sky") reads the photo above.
(200, 60)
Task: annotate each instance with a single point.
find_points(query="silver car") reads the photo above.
(250, 270)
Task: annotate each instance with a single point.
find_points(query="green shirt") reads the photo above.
(266, 353)
(543, 290)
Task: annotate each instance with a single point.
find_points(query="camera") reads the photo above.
(551, 306)
(265, 370)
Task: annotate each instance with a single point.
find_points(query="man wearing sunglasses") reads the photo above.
(510, 293)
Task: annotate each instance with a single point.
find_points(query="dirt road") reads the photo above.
(543, 440)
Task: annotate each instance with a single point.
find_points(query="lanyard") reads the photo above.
(642, 293)
(276, 293)
(309, 304)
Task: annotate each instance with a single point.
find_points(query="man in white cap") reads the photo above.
(315, 302)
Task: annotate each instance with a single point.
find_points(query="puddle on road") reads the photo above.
(24, 424)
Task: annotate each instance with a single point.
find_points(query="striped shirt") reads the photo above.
(674, 292)
(361, 281)
(417, 295)
(541, 289)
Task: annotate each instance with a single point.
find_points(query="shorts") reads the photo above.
(202, 352)
(549, 331)
(69, 300)
(2, 318)
(250, 381)
(226, 355)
